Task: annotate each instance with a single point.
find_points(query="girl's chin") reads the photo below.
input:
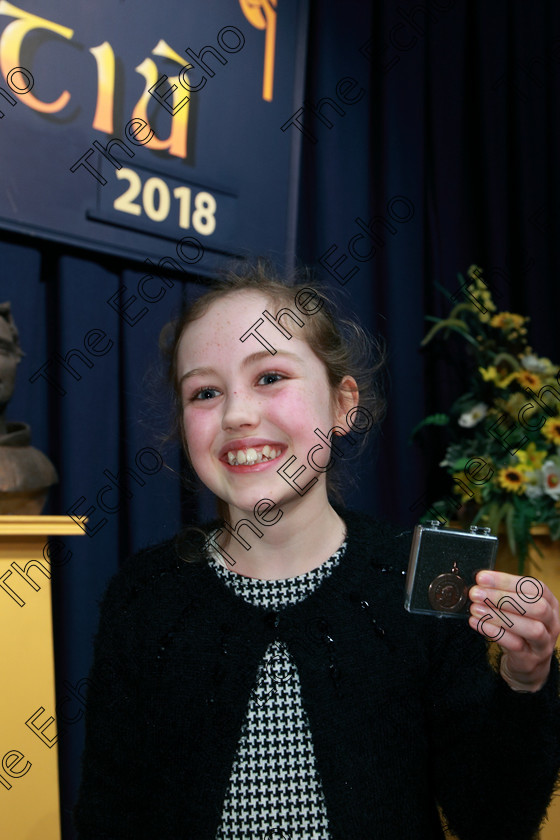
(250, 505)
(265, 507)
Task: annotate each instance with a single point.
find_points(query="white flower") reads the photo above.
(551, 479)
(532, 362)
(474, 416)
(535, 481)
(534, 491)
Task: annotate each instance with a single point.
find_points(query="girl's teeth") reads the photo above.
(251, 456)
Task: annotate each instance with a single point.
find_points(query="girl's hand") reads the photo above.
(522, 614)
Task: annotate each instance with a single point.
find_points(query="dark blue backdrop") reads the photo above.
(441, 131)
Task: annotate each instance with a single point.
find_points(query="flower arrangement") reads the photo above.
(503, 451)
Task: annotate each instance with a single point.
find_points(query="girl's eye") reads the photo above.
(271, 377)
(203, 394)
(208, 393)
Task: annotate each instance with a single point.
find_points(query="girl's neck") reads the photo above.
(303, 539)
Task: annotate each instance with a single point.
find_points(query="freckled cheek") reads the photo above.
(198, 436)
(287, 414)
(316, 408)
(299, 418)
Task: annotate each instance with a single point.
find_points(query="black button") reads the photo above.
(272, 619)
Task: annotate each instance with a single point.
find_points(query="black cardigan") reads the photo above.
(404, 710)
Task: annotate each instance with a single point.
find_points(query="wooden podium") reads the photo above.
(29, 800)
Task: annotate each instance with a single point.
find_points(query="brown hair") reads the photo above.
(342, 345)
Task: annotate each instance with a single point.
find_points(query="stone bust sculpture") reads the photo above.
(25, 473)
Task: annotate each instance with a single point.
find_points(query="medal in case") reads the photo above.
(442, 567)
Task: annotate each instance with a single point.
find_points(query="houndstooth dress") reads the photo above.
(274, 791)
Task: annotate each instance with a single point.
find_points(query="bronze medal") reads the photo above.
(448, 592)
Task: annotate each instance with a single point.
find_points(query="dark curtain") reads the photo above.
(434, 124)
(103, 417)
(456, 132)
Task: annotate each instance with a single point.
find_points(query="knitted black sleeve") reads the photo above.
(496, 751)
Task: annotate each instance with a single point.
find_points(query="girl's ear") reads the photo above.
(347, 398)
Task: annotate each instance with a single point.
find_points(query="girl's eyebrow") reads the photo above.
(248, 360)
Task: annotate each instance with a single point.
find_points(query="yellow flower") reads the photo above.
(466, 497)
(528, 380)
(531, 458)
(488, 374)
(505, 379)
(507, 321)
(474, 272)
(498, 320)
(482, 294)
(551, 430)
(511, 479)
(491, 374)
(512, 405)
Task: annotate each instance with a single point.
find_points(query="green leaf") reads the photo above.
(510, 511)
(465, 402)
(443, 322)
(492, 512)
(443, 290)
(555, 528)
(506, 357)
(460, 308)
(477, 516)
(521, 520)
(535, 546)
(432, 420)
(451, 324)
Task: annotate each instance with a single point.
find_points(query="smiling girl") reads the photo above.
(259, 677)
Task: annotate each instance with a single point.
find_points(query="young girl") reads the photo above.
(260, 677)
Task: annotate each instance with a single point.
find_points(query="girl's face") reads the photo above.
(238, 399)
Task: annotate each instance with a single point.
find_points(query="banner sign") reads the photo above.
(127, 127)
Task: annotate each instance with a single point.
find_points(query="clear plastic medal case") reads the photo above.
(442, 567)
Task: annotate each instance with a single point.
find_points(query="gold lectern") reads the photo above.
(29, 801)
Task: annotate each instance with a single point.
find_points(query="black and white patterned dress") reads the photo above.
(275, 792)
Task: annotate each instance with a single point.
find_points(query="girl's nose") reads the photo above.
(240, 410)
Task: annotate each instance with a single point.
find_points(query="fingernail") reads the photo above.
(485, 577)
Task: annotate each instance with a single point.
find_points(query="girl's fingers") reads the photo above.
(521, 588)
(518, 612)
(525, 629)
(512, 597)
